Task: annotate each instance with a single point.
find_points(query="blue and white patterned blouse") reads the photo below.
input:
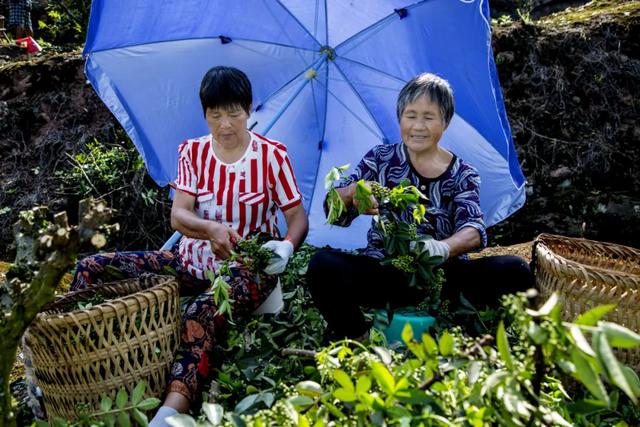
(454, 196)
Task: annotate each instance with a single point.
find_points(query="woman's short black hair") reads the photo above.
(225, 87)
(435, 88)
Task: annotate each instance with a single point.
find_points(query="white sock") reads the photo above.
(163, 413)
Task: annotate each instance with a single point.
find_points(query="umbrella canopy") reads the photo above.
(326, 75)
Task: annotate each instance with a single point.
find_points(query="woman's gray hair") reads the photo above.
(435, 88)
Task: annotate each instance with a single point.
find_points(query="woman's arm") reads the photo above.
(463, 241)
(297, 224)
(185, 220)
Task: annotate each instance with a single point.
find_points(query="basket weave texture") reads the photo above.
(585, 274)
(81, 355)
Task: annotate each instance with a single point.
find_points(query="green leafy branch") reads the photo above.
(400, 238)
(126, 410)
(252, 255)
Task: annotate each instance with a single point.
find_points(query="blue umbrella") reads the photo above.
(326, 75)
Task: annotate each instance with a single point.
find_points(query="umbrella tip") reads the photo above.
(402, 12)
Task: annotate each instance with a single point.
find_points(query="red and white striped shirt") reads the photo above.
(244, 195)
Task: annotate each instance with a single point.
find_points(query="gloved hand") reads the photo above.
(282, 251)
(433, 246)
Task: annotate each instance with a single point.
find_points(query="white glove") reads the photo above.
(433, 246)
(282, 251)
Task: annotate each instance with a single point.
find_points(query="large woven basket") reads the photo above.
(586, 274)
(81, 355)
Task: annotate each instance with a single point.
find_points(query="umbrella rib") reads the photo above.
(373, 131)
(281, 88)
(274, 119)
(202, 38)
(364, 105)
(295, 18)
(370, 68)
(377, 27)
(287, 34)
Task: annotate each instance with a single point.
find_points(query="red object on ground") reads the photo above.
(29, 43)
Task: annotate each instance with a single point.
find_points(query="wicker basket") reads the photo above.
(79, 356)
(586, 274)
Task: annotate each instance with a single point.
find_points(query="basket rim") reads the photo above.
(48, 315)
(548, 259)
(545, 237)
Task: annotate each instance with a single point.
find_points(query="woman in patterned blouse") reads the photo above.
(341, 283)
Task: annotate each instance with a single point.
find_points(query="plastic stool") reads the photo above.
(420, 322)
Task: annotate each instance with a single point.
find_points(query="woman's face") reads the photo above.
(228, 125)
(421, 125)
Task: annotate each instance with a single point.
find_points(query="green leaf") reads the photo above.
(363, 196)
(303, 421)
(106, 403)
(246, 403)
(419, 213)
(334, 174)
(587, 406)
(546, 308)
(446, 344)
(429, 344)
(59, 422)
(536, 333)
(140, 418)
(344, 394)
(181, 420)
(474, 370)
(503, 346)
(407, 333)
(585, 374)
(213, 412)
(343, 379)
(300, 403)
(309, 388)
(148, 403)
(335, 206)
(123, 419)
(632, 379)
(383, 377)
(619, 336)
(363, 384)
(121, 398)
(110, 420)
(581, 341)
(493, 380)
(612, 366)
(591, 317)
(210, 275)
(138, 392)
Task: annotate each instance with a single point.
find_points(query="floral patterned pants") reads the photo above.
(202, 328)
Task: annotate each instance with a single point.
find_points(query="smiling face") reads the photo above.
(228, 125)
(422, 125)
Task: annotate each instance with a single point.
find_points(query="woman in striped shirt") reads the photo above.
(230, 183)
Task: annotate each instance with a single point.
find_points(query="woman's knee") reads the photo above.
(323, 268)
(517, 271)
